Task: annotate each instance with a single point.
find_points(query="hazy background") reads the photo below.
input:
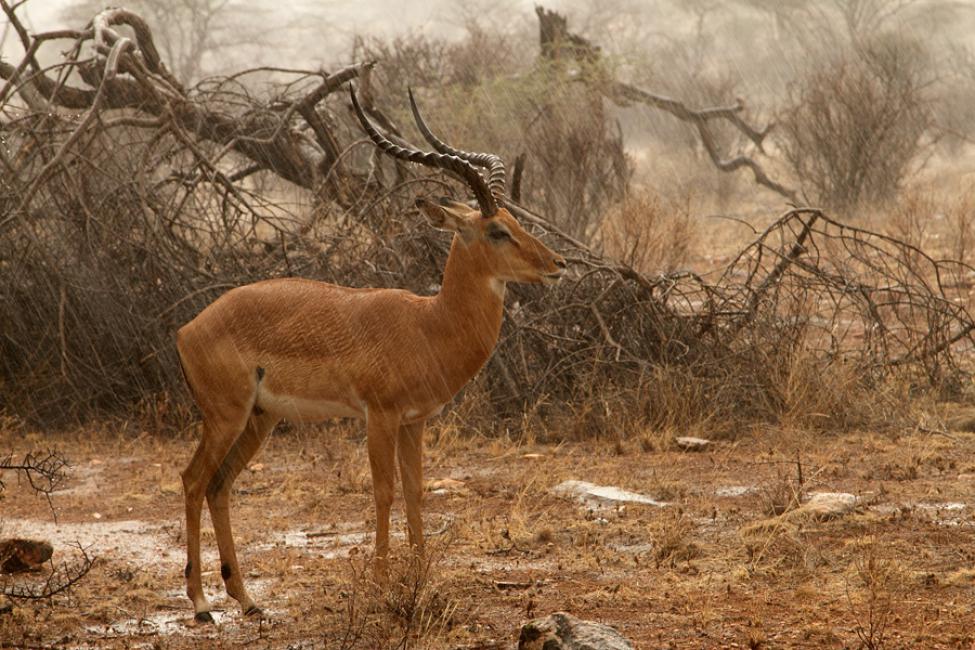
(700, 51)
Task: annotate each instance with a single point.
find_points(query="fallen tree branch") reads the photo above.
(265, 137)
(558, 42)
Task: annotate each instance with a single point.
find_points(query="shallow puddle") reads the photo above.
(735, 491)
(130, 541)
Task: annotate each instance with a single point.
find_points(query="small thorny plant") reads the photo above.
(877, 585)
(405, 611)
(44, 472)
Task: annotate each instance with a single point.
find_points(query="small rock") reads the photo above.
(587, 492)
(690, 443)
(562, 631)
(18, 555)
(533, 456)
(826, 505)
(256, 467)
(445, 484)
(734, 491)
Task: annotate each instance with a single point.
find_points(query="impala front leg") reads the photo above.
(381, 440)
(409, 448)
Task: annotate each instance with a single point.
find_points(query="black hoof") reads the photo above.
(254, 612)
(203, 617)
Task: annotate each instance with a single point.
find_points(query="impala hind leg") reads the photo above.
(381, 431)
(409, 449)
(218, 499)
(196, 477)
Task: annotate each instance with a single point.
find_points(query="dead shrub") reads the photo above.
(855, 125)
(647, 233)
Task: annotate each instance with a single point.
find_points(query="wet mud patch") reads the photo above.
(140, 544)
(173, 615)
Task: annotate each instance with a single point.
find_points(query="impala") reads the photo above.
(307, 351)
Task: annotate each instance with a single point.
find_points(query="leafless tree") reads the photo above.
(856, 123)
(561, 44)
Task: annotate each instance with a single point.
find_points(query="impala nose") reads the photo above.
(553, 278)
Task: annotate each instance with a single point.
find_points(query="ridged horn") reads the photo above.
(450, 162)
(496, 173)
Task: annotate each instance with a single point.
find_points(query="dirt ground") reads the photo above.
(714, 567)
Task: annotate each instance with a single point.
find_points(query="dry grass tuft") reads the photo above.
(672, 537)
(962, 577)
(780, 495)
(874, 590)
(411, 609)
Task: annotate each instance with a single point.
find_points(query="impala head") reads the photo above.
(504, 249)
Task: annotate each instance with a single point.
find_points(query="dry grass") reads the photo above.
(412, 606)
(708, 566)
(672, 536)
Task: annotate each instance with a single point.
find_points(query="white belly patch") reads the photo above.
(303, 409)
(416, 414)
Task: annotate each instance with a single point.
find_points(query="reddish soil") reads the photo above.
(712, 569)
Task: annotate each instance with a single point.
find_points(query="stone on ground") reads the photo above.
(17, 555)
(590, 492)
(827, 505)
(562, 631)
(690, 443)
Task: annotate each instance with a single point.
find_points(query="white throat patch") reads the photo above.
(498, 287)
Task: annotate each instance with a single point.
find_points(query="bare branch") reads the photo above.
(45, 472)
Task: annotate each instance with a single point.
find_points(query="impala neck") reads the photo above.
(471, 300)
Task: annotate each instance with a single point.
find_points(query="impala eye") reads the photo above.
(499, 234)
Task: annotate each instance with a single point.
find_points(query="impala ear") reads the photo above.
(449, 215)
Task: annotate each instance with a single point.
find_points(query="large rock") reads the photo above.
(17, 555)
(591, 493)
(561, 631)
(828, 505)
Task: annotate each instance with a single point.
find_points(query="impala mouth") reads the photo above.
(552, 278)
